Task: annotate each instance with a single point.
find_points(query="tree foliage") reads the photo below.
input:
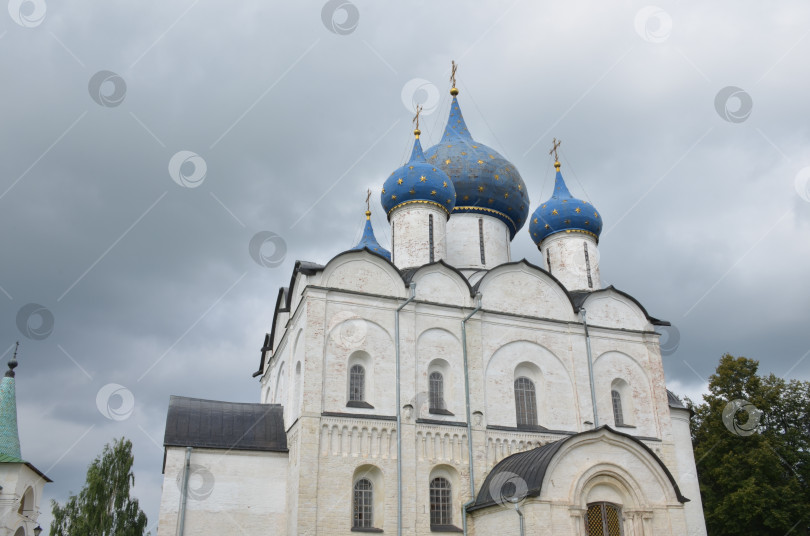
(103, 507)
(757, 483)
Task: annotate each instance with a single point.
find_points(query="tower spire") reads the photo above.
(9, 436)
(415, 120)
(453, 69)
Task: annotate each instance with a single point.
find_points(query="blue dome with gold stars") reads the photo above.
(485, 181)
(564, 213)
(418, 182)
(368, 240)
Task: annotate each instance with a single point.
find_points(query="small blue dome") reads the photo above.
(564, 213)
(418, 182)
(368, 240)
(485, 181)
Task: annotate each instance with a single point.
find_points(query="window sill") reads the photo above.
(445, 528)
(358, 404)
(365, 529)
(438, 411)
(624, 426)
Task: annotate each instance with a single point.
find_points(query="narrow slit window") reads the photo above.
(618, 415)
(436, 391)
(430, 230)
(357, 384)
(363, 505)
(525, 402)
(481, 239)
(588, 265)
(441, 511)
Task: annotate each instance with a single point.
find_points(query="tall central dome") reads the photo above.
(485, 182)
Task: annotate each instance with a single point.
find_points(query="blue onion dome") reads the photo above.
(418, 182)
(564, 213)
(368, 240)
(485, 181)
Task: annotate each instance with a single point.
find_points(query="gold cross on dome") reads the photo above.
(453, 69)
(555, 144)
(415, 119)
(368, 196)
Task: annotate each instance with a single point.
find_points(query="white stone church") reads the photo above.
(444, 386)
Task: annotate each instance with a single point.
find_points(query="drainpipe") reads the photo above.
(399, 412)
(469, 419)
(517, 509)
(590, 369)
(184, 493)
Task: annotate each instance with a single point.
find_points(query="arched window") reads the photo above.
(363, 514)
(525, 402)
(618, 417)
(436, 391)
(441, 503)
(603, 519)
(357, 383)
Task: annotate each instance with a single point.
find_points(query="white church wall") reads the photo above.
(614, 368)
(611, 309)
(22, 487)
(440, 284)
(228, 492)
(410, 226)
(363, 272)
(565, 255)
(464, 233)
(686, 472)
(439, 350)
(550, 375)
(524, 290)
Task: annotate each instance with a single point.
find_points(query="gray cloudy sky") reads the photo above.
(295, 110)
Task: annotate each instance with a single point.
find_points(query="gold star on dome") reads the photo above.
(434, 169)
(447, 161)
(491, 156)
(466, 198)
(595, 215)
(480, 188)
(462, 152)
(567, 222)
(399, 181)
(392, 174)
(509, 209)
(587, 222)
(520, 187)
(422, 178)
(535, 221)
(547, 226)
(577, 210)
(506, 195)
(554, 212)
(565, 200)
(444, 184)
(475, 147)
(497, 177)
(433, 192)
(434, 158)
(448, 201)
(383, 189)
(544, 206)
(481, 162)
(411, 191)
(507, 168)
(394, 197)
(490, 200)
(449, 146)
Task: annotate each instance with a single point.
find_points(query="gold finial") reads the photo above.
(415, 120)
(453, 90)
(368, 205)
(555, 144)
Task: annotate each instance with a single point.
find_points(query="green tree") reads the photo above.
(103, 507)
(754, 468)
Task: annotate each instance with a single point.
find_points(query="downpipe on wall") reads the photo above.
(590, 368)
(399, 410)
(181, 524)
(469, 420)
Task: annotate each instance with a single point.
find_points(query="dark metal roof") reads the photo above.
(531, 467)
(194, 422)
(674, 400)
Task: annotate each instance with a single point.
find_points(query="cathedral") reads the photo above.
(443, 386)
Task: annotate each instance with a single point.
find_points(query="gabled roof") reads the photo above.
(579, 297)
(195, 422)
(531, 466)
